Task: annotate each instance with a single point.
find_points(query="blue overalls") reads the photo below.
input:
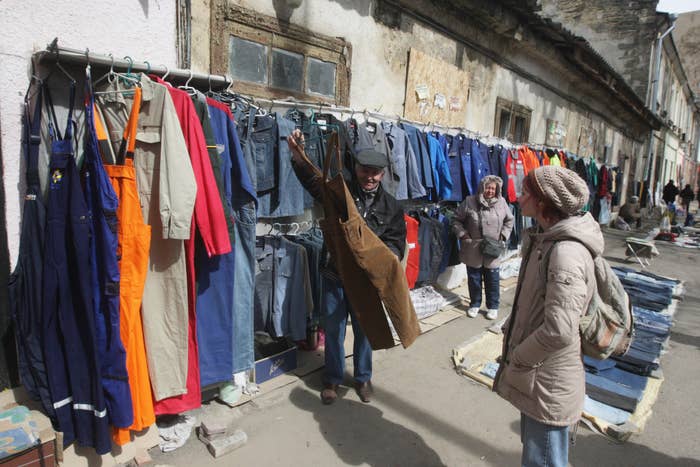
(102, 204)
(70, 349)
(25, 283)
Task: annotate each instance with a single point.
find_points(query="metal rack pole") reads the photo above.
(83, 57)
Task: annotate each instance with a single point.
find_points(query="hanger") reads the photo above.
(121, 77)
(58, 64)
(129, 78)
(190, 90)
(109, 75)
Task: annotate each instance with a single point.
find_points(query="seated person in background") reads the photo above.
(632, 212)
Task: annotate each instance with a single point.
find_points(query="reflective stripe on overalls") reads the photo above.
(25, 283)
(134, 241)
(69, 328)
(102, 202)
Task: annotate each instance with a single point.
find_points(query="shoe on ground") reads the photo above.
(329, 393)
(364, 390)
(492, 314)
(473, 312)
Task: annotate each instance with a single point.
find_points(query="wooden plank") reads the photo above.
(442, 317)
(440, 78)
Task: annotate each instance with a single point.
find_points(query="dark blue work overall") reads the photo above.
(70, 350)
(26, 280)
(102, 204)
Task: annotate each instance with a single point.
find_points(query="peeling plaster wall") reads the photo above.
(144, 29)
(380, 56)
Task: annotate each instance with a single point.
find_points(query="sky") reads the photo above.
(678, 6)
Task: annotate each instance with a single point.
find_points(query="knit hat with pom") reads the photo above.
(564, 188)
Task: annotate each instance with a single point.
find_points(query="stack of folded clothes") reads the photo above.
(619, 382)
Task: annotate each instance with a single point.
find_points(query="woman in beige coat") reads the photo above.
(541, 371)
(485, 214)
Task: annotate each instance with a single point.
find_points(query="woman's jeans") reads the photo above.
(543, 444)
(491, 278)
(336, 309)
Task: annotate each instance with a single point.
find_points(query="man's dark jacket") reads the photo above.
(670, 193)
(384, 216)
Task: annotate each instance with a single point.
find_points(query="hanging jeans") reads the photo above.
(336, 309)
(243, 285)
(70, 345)
(25, 285)
(491, 280)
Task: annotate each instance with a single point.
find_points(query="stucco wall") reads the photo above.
(379, 60)
(144, 30)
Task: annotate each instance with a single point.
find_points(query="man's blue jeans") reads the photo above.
(543, 444)
(491, 278)
(336, 309)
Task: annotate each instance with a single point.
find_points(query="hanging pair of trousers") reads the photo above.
(25, 285)
(102, 203)
(370, 273)
(70, 349)
(133, 244)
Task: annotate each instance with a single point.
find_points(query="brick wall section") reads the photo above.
(621, 31)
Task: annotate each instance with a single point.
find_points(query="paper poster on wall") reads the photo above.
(429, 76)
(422, 91)
(440, 101)
(586, 142)
(556, 134)
(423, 108)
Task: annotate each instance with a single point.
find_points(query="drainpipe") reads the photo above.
(654, 105)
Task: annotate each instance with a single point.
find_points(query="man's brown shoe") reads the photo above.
(329, 393)
(364, 390)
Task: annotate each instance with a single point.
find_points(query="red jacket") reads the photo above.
(413, 257)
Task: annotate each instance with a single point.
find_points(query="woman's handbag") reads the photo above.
(489, 247)
(492, 248)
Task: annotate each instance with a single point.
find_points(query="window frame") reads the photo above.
(234, 20)
(516, 111)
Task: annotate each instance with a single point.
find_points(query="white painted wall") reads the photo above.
(142, 29)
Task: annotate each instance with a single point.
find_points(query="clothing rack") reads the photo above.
(318, 106)
(58, 54)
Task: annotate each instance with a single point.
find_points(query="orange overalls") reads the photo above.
(134, 243)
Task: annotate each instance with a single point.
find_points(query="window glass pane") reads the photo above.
(248, 60)
(320, 77)
(287, 70)
(503, 124)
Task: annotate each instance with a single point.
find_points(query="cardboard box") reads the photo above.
(275, 365)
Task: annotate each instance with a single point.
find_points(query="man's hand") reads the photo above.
(296, 144)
